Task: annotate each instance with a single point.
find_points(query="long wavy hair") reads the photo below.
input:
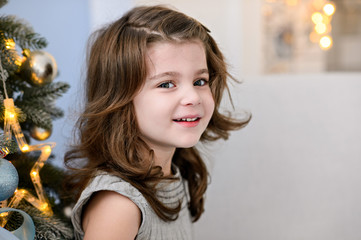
(108, 136)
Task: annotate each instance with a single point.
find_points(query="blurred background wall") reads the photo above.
(294, 171)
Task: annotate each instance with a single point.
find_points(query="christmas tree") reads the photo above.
(28, 181)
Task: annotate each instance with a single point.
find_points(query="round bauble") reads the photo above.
(39, 133)
(9, 179)
(39, 68)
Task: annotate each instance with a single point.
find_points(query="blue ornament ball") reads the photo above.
(9, 179)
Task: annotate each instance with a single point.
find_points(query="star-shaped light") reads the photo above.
(11, 124)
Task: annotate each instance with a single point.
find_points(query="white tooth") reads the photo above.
(187, 119)
(191, 119)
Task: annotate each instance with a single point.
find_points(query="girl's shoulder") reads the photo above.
(105, 182)
(109, 215)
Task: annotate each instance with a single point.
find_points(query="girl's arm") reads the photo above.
(109, 215)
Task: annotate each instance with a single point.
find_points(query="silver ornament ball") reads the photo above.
(39, 68)
(9, 179)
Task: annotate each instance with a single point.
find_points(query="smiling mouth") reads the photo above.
(187, 119)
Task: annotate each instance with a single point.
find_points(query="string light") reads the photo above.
(329, 9)
(317, 17)
(322, 22)
(326, 42)
(9, 44)
(11, 125)
(321, 28)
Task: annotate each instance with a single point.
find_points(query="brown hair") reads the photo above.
(109, 138)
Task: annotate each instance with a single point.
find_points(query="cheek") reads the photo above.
(150, 109)
(209, 104)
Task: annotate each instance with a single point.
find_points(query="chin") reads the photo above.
(188, 144)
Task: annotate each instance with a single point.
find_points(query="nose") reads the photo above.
(190, 96)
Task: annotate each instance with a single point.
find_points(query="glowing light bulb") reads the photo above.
(320, 28)
(329, 9)
(9, 44)
(34, 173)
(25, 148)
(317, 17)
(326, 19)
(326, 42)
(47, 149)
(44, 206)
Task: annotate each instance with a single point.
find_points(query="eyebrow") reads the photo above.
(175, 74)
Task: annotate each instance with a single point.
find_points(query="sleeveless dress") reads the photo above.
(152, 227)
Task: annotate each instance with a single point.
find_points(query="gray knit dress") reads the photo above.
(152, 227)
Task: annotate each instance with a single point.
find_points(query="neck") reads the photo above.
(163, 158)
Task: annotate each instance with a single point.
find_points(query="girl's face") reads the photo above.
(175, 104)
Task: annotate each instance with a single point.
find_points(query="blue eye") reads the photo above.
(200, 82)
(166, 85)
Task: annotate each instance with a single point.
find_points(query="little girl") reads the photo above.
(154, 83)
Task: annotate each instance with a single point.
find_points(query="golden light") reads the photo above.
(6, 150)
(18, 60)
(329, 9)
(326, 19)
(10, 115)
(317, 17)
(47, 149)
(11, 125)
(291, 2)
(44, 206)
(9, 44)
(321, 28)
(326, 42)
(25, 148)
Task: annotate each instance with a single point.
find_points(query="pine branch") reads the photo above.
(10, 144)
(49, 92)
(22, 33)
(8, 55)
(16, 84)
(46, 106)
(36, 115)
(55, 112)
(3, 2)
